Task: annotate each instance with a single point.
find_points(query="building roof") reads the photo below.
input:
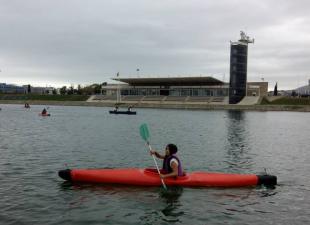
(303, 89)
(170, 81)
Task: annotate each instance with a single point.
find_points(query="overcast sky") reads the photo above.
(63, 42)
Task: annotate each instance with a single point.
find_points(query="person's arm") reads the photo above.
(153, 152)
(174, 173)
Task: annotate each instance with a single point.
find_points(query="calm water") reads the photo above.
(34, 148)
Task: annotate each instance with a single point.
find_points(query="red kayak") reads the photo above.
(45, 114)
(150, 177)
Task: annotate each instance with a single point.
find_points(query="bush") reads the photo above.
(287, 101)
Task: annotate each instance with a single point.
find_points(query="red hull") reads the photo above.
(149, 177)
(40, 114)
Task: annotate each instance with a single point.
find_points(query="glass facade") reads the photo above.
(238, 72)
(201, 92)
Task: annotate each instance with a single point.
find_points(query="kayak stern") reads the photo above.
(268, 180)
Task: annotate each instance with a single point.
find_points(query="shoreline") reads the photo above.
(174, 105)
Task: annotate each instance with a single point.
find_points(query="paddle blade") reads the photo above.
(144, 132)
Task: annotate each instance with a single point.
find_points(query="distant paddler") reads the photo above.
(44, 113)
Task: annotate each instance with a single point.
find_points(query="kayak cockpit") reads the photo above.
(154, 172)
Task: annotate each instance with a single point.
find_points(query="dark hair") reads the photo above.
(172, 148)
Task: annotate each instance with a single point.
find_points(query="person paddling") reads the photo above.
(44, 112)
(171, 165)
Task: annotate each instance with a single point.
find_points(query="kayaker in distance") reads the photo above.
(44, 111)
(171, 165)
(116, 108)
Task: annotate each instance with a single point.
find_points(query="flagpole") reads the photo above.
(117, 91)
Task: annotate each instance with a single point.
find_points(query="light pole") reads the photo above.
(138, 72)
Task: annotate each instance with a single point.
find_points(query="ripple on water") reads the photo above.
(33, 149)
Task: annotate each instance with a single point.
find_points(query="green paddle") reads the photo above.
(144, 132)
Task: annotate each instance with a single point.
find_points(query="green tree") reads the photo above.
(96, 88)
(63, 90)
(79, 90)
(71, 90)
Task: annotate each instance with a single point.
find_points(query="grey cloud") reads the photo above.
(75, 41)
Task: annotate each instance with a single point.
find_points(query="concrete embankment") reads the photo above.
(170, 105)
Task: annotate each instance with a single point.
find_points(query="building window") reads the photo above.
(124, 92)
(143, 92)
(185, 92)
(219, 92)
(154, 92)
(133, 92)
(195, 92)
(174, 92)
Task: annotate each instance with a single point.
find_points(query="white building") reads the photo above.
(304, 90)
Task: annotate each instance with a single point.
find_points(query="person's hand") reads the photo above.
(162, 176)
(152, 152)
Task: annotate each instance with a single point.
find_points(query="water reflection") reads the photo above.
(157, 205)
(237, 145)
(105, 188)
(171, 198)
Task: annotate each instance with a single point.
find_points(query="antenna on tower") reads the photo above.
(244, 38)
